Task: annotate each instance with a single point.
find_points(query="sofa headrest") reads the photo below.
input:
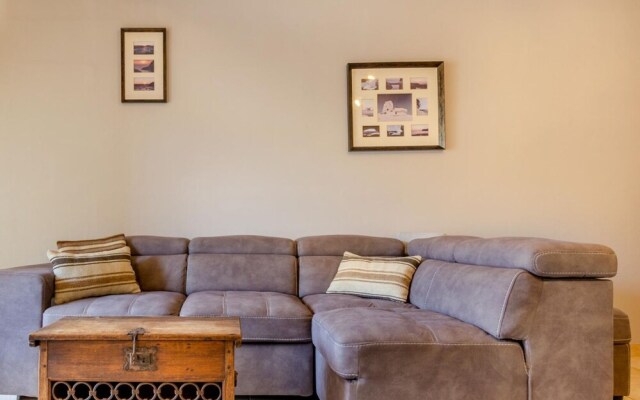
(242, 244)
(541, 257)
(157, 245)
(336, 245)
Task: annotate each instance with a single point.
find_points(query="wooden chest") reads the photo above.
(137, 358)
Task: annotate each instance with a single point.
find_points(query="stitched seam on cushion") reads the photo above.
(504, 304)
(241, 253)
(538, 255)
(358, 362)
(266, 302)
(224, 303)
(65, 315)
(131, 304)
(435, 337)
(362, 344)
(433, 278)
(345, 374)
(86, 307)
(277, 338)
(578, 273)
(373, 344)
(242, 316)
(319, 323)
(432, 332)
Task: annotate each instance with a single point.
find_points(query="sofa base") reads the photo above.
(442, 372)
(329, 385)
(621, 370)
(621, 354)
(272, 369)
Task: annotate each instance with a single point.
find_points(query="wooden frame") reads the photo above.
(143, 60)
(396, 106)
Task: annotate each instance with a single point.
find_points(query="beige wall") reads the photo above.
(542, 119)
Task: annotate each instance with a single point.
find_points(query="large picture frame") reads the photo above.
(143, 65)
(396, 106)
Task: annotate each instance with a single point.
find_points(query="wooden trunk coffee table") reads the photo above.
(137, 358)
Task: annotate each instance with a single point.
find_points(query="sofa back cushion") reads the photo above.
(501, 301)
(320, 256)
(257, 263)
(160, 263)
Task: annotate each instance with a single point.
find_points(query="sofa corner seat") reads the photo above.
(498, 299)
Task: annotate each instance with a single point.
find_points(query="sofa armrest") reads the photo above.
(501, 301)
(542, 257)
(25, 292)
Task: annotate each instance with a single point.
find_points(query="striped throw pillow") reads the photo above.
(92, 245)
(91, 268)
(375, 277)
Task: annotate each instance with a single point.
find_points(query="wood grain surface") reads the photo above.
(156, 328)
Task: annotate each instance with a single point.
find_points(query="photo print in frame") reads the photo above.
(396, 106)
(143, 65)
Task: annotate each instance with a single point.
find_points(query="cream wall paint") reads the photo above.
(542, 123)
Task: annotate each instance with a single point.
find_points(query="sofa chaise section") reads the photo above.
(255, 278)
(368, 353)
(538, 307)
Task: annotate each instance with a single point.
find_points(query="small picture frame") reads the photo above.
(396, 106)
(143, 65)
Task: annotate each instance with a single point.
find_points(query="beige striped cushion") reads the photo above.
(376, 277)
(91, 268)
(92, 245)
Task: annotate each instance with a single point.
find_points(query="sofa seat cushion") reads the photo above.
(264, 316)
(333, 301)
(139, 304)
(349, 339)
(621, 327)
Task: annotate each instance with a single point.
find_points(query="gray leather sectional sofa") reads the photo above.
(505, 318)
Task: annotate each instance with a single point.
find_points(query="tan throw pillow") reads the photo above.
(92, 245)
(376, 277)
(90, 268)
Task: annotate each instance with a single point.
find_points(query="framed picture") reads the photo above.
(396, 106)
(143, 65)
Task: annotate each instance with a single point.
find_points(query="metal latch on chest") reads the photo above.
(138, 358)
